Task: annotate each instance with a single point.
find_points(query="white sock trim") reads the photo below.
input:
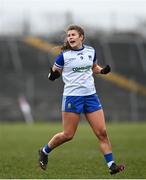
(110, 163)
(45, 151)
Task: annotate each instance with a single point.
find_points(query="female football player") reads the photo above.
(76, 63)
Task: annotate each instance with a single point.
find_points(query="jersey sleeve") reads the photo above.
(95, 58)
(59, 61)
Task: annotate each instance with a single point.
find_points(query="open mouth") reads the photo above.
(72, 42)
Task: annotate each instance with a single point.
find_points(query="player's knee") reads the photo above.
(102, 135)
(68, 136)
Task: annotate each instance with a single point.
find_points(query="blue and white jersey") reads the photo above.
(77, 72)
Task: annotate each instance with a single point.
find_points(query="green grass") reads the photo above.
(77, 159)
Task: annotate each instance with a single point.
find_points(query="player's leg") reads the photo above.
(95, 116)
(97, 122)
(72, 106)
(70, 123)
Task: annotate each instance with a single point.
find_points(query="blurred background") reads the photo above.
(32, 30)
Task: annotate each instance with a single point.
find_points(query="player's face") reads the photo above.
(74, 39)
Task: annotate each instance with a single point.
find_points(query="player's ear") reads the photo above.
(82, 37)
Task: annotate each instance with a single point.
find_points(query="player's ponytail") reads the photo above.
(66, 46)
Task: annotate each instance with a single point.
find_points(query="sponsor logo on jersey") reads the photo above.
(82, 69)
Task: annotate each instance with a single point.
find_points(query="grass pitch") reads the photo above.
(77, 159)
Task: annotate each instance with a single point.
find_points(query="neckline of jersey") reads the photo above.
(78, 49)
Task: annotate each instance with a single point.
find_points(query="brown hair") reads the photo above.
(72, 27)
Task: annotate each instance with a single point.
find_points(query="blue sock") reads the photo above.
(46, 149)
(109, 159)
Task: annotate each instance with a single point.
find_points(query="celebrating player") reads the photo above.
(77, 63)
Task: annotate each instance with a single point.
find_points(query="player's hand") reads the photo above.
(53, 75)
(105, 70)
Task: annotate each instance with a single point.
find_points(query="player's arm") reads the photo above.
(56, 70)
(99, 70)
